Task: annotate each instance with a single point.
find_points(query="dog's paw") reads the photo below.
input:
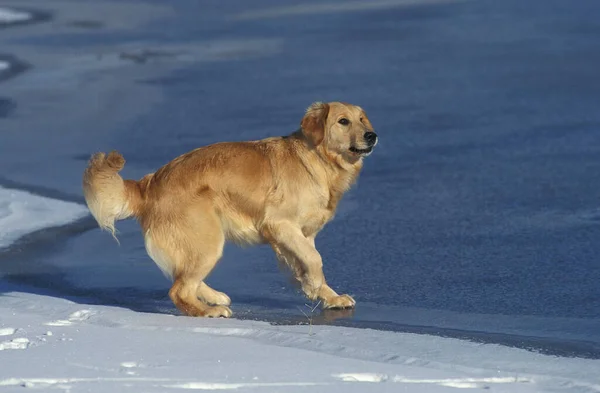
(218, 299)
(223, 300)
(342, 301)
(218, 312)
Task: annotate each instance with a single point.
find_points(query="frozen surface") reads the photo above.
(22, 212)
(8, 15)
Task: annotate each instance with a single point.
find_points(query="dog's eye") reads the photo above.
(343, 121)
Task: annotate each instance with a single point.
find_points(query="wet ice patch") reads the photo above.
(22, 212)
(330, 7)
(8, 16)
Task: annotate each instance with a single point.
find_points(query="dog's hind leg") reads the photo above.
(189, 283)
(190, 247)
(183, 294)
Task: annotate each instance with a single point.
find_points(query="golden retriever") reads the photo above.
(278, 190)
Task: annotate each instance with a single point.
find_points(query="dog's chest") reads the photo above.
(314, 216)
(318, 208)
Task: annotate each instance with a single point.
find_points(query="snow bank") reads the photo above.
(22, 212)
(55, 344)
(12, 16)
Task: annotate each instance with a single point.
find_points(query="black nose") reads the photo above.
(370, 137)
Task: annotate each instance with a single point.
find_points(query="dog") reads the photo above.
(278, 190)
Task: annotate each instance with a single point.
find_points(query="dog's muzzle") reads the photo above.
(371, 140)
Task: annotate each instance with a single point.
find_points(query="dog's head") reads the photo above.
(339, 128)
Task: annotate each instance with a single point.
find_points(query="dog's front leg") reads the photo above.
(290, 243)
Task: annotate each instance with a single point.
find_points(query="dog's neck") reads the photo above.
(342, 175)
(341, 172)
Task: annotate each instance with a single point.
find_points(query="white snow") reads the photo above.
(7, 331)
(77, 316)
(95, 348)
(115, 349)
(11, 16)
(22, 212)
(17, 343)
(4, 65)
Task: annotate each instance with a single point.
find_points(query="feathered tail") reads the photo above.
(107, 195)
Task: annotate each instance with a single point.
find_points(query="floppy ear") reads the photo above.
(313, 122)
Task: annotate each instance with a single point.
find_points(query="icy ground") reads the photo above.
(53, 343)
(11, 16)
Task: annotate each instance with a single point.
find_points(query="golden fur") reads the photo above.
(279, 190)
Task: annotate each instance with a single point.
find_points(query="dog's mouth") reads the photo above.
(361, 152)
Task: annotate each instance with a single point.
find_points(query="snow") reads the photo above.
(4, 65)
(108, 348)
(7, 331)
(51, 343)
(11, 16)
(22, 212)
